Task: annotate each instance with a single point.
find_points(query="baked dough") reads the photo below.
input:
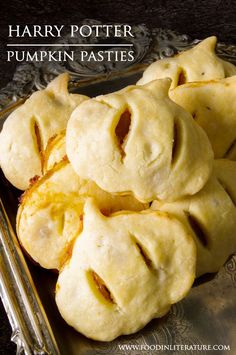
(124, 270)
(213, 106)
(51, 212)
(139, 141)
(27, 130)
(210, 215)
(199, 63)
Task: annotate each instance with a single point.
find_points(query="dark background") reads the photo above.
(199, 19)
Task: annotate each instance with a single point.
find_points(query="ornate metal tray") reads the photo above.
(204, 319)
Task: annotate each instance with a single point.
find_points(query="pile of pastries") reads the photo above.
(129, 195)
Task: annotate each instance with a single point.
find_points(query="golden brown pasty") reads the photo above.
(51, 213)
(137, 140)
(199, 63)
(213, 106)
(210, 216)
(124, 270)
(27, 130)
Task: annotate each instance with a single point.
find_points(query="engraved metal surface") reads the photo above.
(206, 316)
(148, 45)
(30, 328)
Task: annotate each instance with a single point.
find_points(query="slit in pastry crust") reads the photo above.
(122, 131)
(176, 141)
(99, 287)
(197, 229)
(231, 148)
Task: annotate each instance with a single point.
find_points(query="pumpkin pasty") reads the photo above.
(138, 140)
(211, 217)
(124, 270)
(51, 213)
(199, 63)
(213, 106)
(27, 130)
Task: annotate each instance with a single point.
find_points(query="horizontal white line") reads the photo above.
(69, 45)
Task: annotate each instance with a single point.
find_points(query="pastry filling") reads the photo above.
(122, 131)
